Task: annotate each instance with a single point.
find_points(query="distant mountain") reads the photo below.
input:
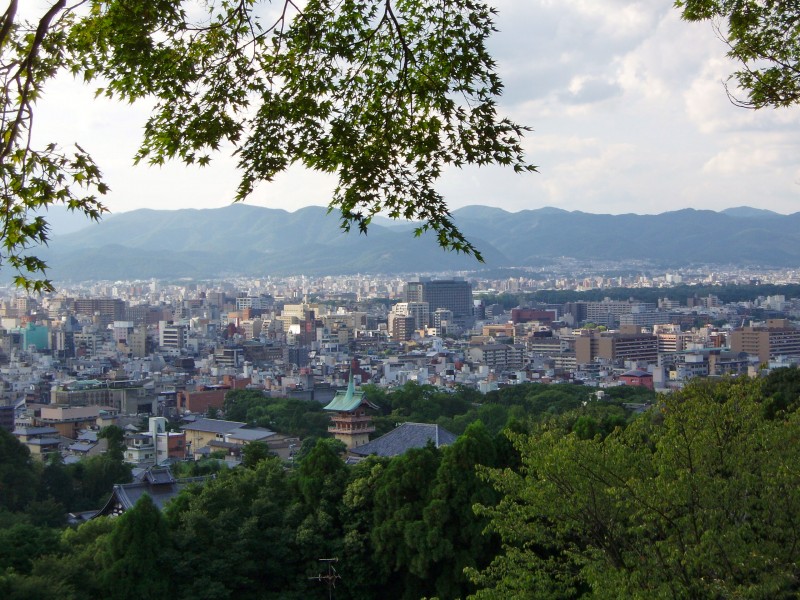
(248, 240)
(63, 221)
(747, 212)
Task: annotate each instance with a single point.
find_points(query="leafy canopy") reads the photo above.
(383, 93)
(762, 35)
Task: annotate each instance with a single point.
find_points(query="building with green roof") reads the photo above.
(351, 422)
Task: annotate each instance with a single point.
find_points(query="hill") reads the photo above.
(250, 240)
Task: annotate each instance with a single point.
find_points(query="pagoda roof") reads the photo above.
(349, 399)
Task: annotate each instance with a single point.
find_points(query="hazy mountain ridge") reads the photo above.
(251, 240)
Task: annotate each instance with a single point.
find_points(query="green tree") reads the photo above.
(94, 478)
(454, 535)
(762, 37)
(383, 93)
(136, 564)
(693, 500)
(115, 437)
(74, 567)
(17, 474)
(22, 543)
(244, 512)
(253, 453)
(365, 580)
(781, 392)
(398, 530)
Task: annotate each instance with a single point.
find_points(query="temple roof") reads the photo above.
(404, 437)
(158, 483)
(349, 400)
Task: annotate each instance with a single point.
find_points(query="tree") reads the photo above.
(32, 179)
(17, 476)
(115, 437)
(692, 500)
(253, 453)
(398, 530)
(762, 37)
(383, 93)
(242, 511)
(136, 559)
(454, 539)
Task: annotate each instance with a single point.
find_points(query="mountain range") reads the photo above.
(249, 240)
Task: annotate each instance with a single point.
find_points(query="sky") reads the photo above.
(626, 102)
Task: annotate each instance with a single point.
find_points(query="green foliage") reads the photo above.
(385, 94)
(17, 476)
(321, 472)
(14, 586)
(455, 537)
(115, 437)
(253, 453)
(136, 563)
(94, 478)
(35, 178)
(302, 418)
(781, 392)
(398, 530)
(762, 37)
(232, 536)
(693, 500)
(76, 570)
(22, 543)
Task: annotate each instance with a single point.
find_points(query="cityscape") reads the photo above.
(127, 350)
(399, 300)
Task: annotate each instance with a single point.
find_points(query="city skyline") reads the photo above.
(626, 103)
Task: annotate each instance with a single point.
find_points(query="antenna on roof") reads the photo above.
(330, 577)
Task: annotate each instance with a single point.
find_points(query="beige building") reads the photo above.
(615, 346)
(778, 338)
(70, 420)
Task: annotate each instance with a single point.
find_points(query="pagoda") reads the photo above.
(350, 422)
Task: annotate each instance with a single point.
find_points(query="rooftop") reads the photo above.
(405, 437)
(213, 425)
(349, 399)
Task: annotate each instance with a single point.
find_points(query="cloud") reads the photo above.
(626, 102)
(588, 90)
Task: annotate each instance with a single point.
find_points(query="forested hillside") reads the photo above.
(556, 495)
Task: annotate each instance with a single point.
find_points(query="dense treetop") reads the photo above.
(695, 498)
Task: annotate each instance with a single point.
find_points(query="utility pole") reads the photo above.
(330, 577)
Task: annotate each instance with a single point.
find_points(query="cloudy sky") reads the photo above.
(625, 100)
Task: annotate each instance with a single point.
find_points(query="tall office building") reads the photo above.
(453, 294)
(420, 311)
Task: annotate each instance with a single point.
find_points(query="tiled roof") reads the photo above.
(81, 447)
(247, 434)
(35, 431)
(637, 373)
(405, 437)
(44, 441)
(159, 484)
(158, 476)
(348, 400)
(213, 425)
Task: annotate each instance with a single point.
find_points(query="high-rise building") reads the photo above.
(400, 328)
(420, 311)
(171, 335)
(453, 294)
